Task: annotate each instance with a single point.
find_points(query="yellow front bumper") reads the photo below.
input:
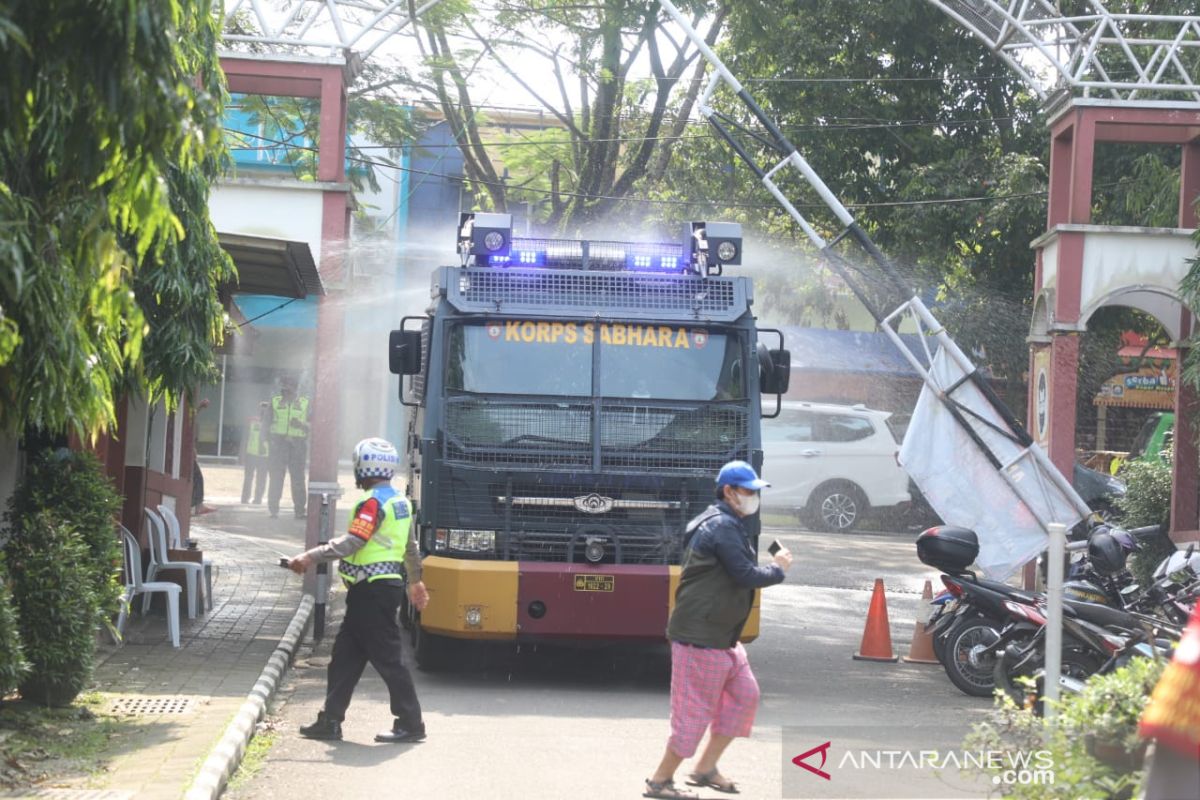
(456, 586)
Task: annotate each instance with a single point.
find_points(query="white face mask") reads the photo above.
(747, 505)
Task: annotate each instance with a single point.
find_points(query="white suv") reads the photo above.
(831, 464)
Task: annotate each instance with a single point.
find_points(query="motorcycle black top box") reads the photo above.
(948, 548)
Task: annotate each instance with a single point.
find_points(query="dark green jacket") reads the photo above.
(716, 588)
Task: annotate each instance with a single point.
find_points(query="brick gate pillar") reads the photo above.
(335, 235)
(1185, 504)
(324, 81)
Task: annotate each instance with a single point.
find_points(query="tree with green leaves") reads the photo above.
(610, 129)
(932, 143)
(110, 135)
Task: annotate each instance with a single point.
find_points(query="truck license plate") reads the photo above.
(594, 583)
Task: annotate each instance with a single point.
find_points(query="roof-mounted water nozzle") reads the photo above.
(484, 234)
(709, 246)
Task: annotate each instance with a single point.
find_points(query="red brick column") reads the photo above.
(335, 235)
(326, 83)
(1185, 504)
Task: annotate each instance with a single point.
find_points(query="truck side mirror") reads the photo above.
(775, 371)
(404, 352)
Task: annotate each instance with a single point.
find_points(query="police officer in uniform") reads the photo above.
(288, 445)
(254, 457)
(375, 553)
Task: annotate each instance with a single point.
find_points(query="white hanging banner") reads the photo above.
(1008, 508)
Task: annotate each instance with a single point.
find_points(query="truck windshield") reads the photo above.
(651, 362)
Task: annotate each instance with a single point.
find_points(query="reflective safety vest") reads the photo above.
(256, 445)
(383, 555)
(288, 413)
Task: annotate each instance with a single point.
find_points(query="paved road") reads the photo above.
(563, 723)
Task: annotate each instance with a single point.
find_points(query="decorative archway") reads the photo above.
(1083, 267)
(1140, 64)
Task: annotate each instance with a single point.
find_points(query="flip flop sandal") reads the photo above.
(709, 781)
(666, 789)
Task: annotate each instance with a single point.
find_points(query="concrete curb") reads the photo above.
(219, 767)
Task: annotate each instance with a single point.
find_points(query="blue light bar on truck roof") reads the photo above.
(486, 240)
(590, 255)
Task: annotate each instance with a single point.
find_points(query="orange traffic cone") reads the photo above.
(877, 635)
(921, 649)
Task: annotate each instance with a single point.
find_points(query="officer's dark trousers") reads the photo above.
(287, 456)
(370, 633)
(254, 477)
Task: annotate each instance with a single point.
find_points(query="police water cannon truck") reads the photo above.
(571, 402)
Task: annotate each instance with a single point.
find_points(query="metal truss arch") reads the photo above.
(350, 29)
(1091, 53)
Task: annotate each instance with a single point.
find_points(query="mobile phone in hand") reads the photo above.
(284, 561)
(774, 547)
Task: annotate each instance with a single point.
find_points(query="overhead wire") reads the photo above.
(540, 111)
(822, 126)
(257, 317)
(693, 203)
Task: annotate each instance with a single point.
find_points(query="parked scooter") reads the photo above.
(983, 617)
(1097, 638)
(965, 634)
(1094, 637)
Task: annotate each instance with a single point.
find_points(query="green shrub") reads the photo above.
(12, 655)
(53, 588)
(72, 486)
(1094, 746)
(1147, 501)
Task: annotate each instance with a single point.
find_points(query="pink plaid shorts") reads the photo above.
(710, 687)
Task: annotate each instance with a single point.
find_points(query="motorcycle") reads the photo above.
(985, 609)
(1097, 638)
(981, 618)
(1090, 647)
(968, 627)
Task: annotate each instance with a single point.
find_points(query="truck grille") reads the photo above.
(543, 521)
(629, 548)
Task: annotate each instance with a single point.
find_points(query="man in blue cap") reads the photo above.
(712, 686)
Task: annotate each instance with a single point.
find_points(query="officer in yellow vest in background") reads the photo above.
(254, 456)
(288, 445)
(376, 553)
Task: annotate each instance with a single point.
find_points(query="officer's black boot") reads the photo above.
(400, 734)
(323, 728)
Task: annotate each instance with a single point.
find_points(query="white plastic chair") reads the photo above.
(134, 585)
(176, 541)
(157, 535)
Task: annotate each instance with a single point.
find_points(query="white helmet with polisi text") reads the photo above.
(375, 458)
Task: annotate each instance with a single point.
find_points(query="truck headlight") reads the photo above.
(466, 541)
